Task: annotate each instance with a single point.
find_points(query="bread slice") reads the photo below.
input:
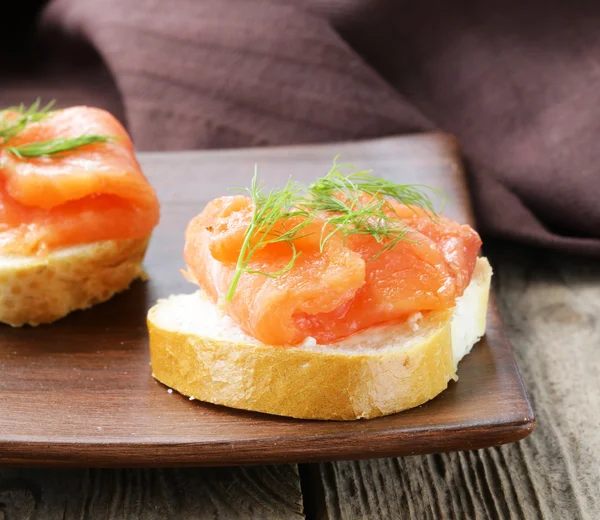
(203, 354)
(42, 289)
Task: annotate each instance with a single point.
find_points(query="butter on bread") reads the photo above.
(42, 289)
(203, 354)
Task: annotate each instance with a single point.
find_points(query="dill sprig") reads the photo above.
(349, 203)
(359, 182)
(348, 215)
(358, 203)
(11, 125)
(14, 120)
(276, 218)
(54, 146)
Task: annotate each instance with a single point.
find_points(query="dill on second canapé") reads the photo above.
(271, 211)
(356, 202)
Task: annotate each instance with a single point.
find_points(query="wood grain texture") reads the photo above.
(261, 493)
(551, 307)
(79, 392)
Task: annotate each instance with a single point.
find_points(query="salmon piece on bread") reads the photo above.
(339, 290)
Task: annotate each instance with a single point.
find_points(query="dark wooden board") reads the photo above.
(79, 392)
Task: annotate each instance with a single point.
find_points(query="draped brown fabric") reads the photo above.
(517, 82)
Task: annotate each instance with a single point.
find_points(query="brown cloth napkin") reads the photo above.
(517, 82)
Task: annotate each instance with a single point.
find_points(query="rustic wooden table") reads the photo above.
(550, 304)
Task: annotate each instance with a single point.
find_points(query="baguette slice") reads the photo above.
(383, 370)
(35, 290)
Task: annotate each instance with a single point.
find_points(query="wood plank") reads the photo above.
(551, 307)
(263, 492)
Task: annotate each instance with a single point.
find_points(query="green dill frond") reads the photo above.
(339, 199)
(54, 146)
(340, 196)
(271, 212)
(14, 120)
(357, 182)
(11, 125)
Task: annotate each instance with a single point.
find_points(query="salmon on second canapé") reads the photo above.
(330, 291)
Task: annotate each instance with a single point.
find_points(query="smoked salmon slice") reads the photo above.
(426, 271)
(330, 291)
(88, 194)
(265, 307)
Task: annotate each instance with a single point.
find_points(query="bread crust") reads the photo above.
(301, 383)
(36, 290)
(399, 371)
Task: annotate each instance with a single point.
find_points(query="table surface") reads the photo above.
(550, 304)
